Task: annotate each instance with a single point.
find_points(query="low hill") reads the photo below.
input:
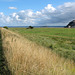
(71, 24)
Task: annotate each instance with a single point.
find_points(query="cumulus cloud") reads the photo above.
(5, 19)
(12, 7)
(60, 16)
(1, 14)
(48, 8)
(47, 16)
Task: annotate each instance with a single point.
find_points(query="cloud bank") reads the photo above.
(46, 17)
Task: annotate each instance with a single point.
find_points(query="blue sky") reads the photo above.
(35, 5)
(36, 12)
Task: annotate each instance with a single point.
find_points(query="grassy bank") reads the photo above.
(3, 62)
(59, 40)
(27, 58)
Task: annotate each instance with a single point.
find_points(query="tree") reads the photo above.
(30, 27)
(5, 27)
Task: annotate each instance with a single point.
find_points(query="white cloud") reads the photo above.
(17, 18)
(50, 8)
(12, 8)
(4, 19)
(1, 14)
(7, 0)
(47, 16)
(67, 5)
(22, 11)
(62, 15)
(14, 14)
(8, 19)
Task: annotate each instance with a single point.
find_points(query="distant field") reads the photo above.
(59, 40)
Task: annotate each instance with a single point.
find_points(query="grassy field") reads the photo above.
(59, 40)
(25, 57)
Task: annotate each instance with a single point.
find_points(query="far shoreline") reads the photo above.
(35, 26)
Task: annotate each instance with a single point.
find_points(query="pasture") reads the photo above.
(25, 57)
(59, 40)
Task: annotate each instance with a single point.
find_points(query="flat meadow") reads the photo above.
(59, 40)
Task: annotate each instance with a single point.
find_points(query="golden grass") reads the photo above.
(27, 58)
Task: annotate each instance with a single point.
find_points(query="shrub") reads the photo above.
(5, 27)
(30, 27)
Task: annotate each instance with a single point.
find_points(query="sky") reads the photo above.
(36, 12)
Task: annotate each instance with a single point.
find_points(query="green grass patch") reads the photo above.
(59, 40)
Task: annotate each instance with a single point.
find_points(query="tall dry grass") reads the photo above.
(27, 58)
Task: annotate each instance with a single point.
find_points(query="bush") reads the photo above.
(30, 27)
(5, 27)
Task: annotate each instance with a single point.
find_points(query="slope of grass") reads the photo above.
(27, 58)
(59, 40)
(3, 63)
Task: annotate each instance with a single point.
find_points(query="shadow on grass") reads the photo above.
(3, 63)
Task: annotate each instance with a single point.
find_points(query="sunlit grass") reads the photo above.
(27, 58)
